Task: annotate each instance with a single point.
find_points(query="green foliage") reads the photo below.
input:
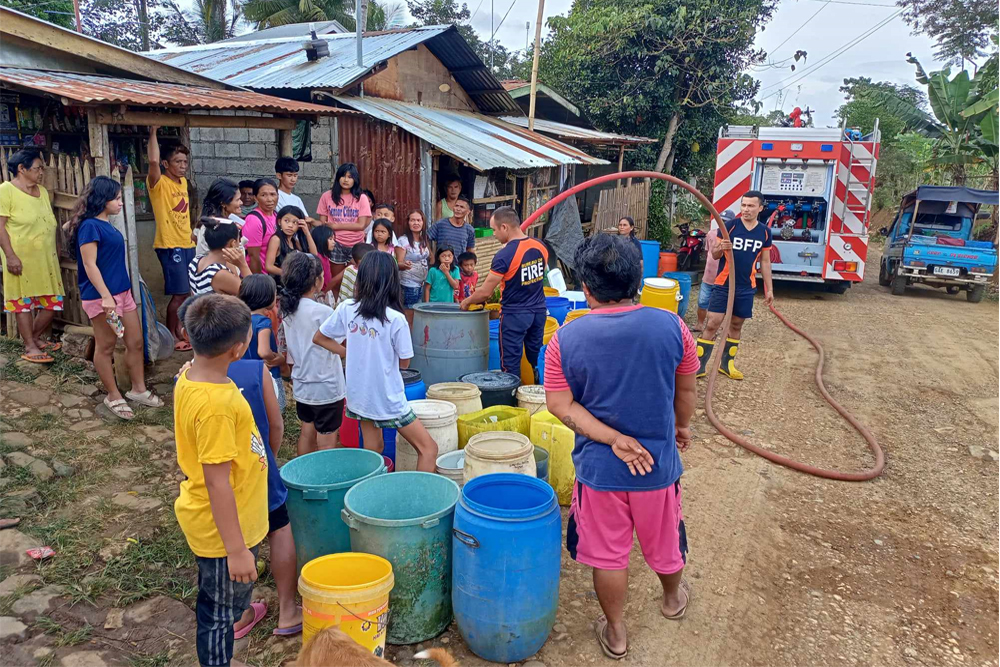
(902, 166)
(120, 22)
(209, 21)
(961, 28)
(271, 13)
(658, 224)
(59, 12)
(864, 105)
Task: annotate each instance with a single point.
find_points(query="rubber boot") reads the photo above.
(728, 368)
(705, 348)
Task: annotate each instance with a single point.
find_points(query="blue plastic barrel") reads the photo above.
(541, 365)
(494, 363)
(558, 307)
(406, 518)
(684, 282)
(505, 582)
(413, 385)
(317, 483)
(650, 258)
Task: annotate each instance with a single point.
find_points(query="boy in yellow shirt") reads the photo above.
(222, 507)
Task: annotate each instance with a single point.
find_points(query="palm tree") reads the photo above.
(209, 21)
(271, 13)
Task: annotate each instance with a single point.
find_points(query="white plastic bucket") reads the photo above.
(498, 451)
(440, 420)
(452, 466)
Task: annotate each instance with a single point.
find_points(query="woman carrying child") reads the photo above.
(443, 279)
(317, 374)
(223, 200)
(382, 236)
(225, 265)
(292, 234)
(106, 292)
(411, 256)
(374, 328)
(260, 294)
(346, 210)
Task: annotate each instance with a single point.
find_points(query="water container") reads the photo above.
(497, 452)
(493, 418)
(576, 300)
(551, 326)
(452, 466)
(650, 258)
(438, 417)
(449, 342)
(541, 464)
(557, 306)
(406, 518)
(465, 396)
(550, 434)
(531, 397)
(350, 430)
(494, 360)
(663, 293)
(317, 483)
(415, 389)
(505, 581)
(667, 263)
(497, 387)
(576, 314)
(683, 279)
(556, 280)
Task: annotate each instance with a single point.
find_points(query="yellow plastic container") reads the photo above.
(493, 418)
(662, 293)
(574, 314)
(551, 435)
(527, 372)
(550, 291)
(464, 395)
(350, 590)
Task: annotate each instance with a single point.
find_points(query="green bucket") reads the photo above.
(406, 518)
(317, 483)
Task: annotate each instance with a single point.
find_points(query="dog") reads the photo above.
(333, 648)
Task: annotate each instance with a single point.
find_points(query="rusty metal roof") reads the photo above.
(91, 88)
(481, 141)
(574, 133)
(265, 64)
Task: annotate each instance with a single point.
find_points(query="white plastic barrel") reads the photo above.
(440, 420)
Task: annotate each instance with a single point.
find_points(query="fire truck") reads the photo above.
(817, 185)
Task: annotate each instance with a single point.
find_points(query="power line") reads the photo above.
(849, 2)
(801, 27)
(503, 19)
(477, 10)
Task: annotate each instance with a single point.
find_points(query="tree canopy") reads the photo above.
(59, 12)
(865, 103)
(961, 28)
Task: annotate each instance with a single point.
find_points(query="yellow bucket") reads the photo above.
(350, 590)
(663, 293)
(527, 372)
(550, 291)
(573, 314)
(548, 433)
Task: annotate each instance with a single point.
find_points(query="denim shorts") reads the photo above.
(411, 296)
(174, 262)
(705, 295)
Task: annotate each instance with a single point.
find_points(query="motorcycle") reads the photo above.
(692, 243)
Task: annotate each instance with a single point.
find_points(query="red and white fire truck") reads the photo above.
(817, 186)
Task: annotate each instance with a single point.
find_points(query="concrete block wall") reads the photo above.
(241, 153)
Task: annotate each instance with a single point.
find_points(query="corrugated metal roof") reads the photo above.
(90, 88)
(481, 141)
(300, 30)
(281, 63)
(574, 133)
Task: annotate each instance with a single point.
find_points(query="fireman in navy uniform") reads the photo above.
(519, 269)
(750, 242)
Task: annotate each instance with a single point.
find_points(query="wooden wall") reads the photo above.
(416, 76)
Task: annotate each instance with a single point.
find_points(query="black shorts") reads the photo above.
(742, 304)
(325, 418)
(277, 518)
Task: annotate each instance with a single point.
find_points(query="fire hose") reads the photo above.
(715, 362)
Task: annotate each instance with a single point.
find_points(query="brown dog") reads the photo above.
(332, 648)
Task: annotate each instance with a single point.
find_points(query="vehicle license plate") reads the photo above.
(945, 271)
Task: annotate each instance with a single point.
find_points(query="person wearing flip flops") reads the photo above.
(32, 280)
(626, 456)
(106, 292)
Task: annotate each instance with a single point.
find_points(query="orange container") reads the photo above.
(668, 262)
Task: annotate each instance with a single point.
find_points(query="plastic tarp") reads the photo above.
(564, 231)
(957, 193)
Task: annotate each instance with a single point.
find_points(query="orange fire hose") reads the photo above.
(715, 362)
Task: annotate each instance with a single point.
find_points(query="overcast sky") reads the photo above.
(882, 56)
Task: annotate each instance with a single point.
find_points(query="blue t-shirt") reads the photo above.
(447, 235)
(110, 258)
(260, 323)
(249, 378)
(748, 244)
(521, 267)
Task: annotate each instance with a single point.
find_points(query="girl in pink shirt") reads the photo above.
(347, 211)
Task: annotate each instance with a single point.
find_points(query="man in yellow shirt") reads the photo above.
(168, 195)
(222, 506)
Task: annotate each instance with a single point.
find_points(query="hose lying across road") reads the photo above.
(713, 367)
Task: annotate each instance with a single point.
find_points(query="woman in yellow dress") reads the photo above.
(32, 282)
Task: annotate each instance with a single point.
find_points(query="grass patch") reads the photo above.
(161, 659)
(160, 565)
(64, 369)
(52, 627)
(47, 660)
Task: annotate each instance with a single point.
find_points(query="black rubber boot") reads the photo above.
(728, 356)
(705, 348)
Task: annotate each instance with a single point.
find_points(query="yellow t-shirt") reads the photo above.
(172, 211)
(213, 423)
(31, 225)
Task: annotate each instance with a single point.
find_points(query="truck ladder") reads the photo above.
(861, 189)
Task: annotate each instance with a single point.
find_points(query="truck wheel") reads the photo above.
(975, 295)
(898, 285)
(883, 275)
(953, 289)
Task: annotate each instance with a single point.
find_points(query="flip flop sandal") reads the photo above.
(288, 632)
(9, 523)
(259, 611)
(119, 408)
(50, 346)
(181, 346)
(600, 627)
(680, 614)
(39, 358)
(146, 398)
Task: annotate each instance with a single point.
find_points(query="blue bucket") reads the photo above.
(494, 362)
(558, 307)
(650, 258)
(684, 283)
(415, 389)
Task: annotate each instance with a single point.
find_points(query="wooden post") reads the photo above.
(534, 66)
(132, 245)
(621, 163)
(285, 146)
(99, 148)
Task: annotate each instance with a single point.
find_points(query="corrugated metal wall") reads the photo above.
(388, 159)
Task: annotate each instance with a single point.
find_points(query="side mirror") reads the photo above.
(884, 231)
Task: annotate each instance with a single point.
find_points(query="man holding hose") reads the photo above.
(749, 242)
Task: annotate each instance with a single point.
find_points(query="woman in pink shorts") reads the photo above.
(106, 292)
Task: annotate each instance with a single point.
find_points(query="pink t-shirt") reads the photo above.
(257, 235)
(345, 213)
(711, 264)
(555, 380)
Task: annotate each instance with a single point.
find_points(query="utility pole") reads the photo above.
(143, 24)
(76, 10)
(492, 50)
(527, 34)
(534, 66)
(358, 32)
